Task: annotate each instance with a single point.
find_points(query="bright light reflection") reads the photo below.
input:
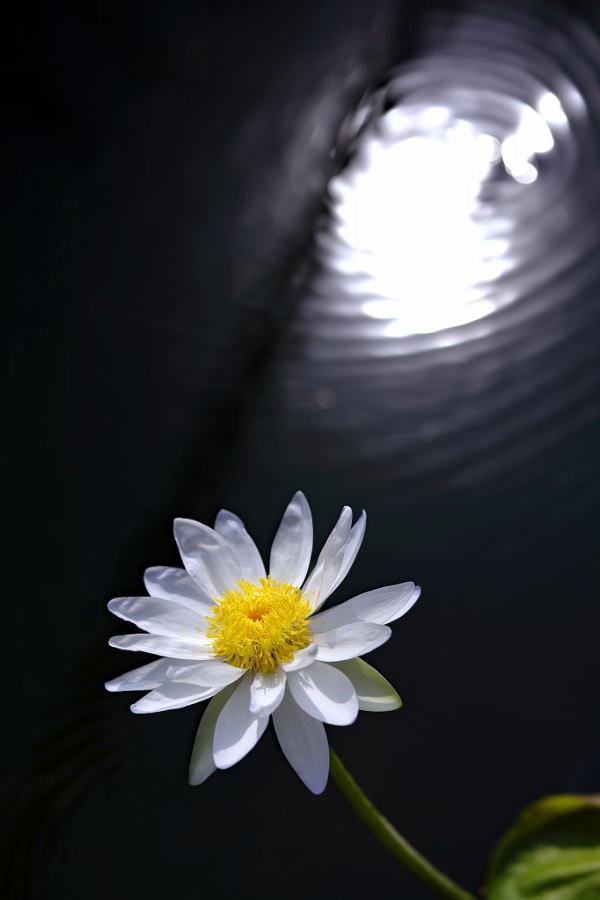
(406, 214)
(532, 136)
(409, 221)
(550, 108)
(526, 174)
(489, 147)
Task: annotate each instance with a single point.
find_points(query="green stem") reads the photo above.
(385, 832)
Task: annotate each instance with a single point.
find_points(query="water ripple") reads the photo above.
(452, 296)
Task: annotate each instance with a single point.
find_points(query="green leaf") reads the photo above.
(551, 853)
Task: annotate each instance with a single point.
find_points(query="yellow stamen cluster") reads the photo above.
(260, 626)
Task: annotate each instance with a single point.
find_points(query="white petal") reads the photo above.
(243, 548)
(322, 575)
(336, 567)
(380, 606)
(348, 553)
(352, 640)
(144, 678)
(301, 659)
(266, 692)
(304, 743)
(176, 585)
(337, 538)
(386, 604)
(159, 616)
(324, 693)
(202, 762)
(154, 674)
(292, 546)
(164, 646)
(351, 547)
(237, 729)
(212, 672)
(172, 695)
(374, 692)
(207, 557)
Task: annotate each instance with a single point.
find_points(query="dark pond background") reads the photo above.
(174, 347)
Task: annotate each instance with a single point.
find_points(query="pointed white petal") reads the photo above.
(324, 693)
(347, 554)
(386, 604)
(292, 546)
(302, 659)
(172, 695)
(352, 640)
(243, 548)
(202, 762)
(207, 557)
(164, 646)
(204, 674)
(337, 538)
(380, 606)
(337, 567)
(304, 743)
(144, 678)
(176, 585)
(159, 616)
(266, 692)
(237, 729)
(351, 547)
(211, 672)
(374, 692)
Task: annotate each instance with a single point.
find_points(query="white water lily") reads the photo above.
(255, 642)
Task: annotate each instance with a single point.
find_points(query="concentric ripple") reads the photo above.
(456, 261)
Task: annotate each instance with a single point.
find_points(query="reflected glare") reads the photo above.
(449, 297)
(410, 221)
(550, 108)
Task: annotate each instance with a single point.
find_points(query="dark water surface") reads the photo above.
(345, 248)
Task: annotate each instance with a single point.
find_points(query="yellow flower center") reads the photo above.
(261, 625)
